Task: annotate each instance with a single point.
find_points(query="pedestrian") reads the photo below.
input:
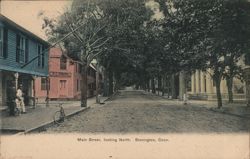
(20, 99)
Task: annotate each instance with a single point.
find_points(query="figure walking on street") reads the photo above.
(20, 99)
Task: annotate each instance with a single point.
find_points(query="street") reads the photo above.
(140, 112)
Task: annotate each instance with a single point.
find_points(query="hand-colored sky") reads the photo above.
(25, 13)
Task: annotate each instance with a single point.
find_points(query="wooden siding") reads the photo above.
(11, 59)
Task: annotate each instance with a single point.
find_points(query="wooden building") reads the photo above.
(17, 47)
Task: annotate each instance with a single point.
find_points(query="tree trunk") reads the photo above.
(230, 89)
(163, 84)
(173, 88)
(217, 80)
(84, 86)
(153, 85)
(159, 84)
(110, 82)
(148, 85)
(105, 84)
(97, 84)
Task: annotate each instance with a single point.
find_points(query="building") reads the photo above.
(203, 87)
(64, 78)
(18, 47)
(200, 85)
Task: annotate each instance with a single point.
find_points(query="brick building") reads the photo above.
(64, 78)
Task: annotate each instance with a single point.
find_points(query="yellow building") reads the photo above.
(200, 85)
(203, 87)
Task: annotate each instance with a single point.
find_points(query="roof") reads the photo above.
(20, 28)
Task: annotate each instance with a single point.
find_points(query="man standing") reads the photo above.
(19, 96)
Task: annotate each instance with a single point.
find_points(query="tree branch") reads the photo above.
(102, 43)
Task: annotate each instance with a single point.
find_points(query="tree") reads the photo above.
(87, 41)
(126, 19)
(201, 38)
(236, 32)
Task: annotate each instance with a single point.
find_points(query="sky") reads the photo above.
(25, 13)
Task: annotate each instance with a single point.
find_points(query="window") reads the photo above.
(44, 84)
(22, 49)
(63, 63)
(63, 84)
(40, 60)
(1, 42)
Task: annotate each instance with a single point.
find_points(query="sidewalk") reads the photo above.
(40, 116)
(238, 109)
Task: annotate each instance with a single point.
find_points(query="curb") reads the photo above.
(50, 123)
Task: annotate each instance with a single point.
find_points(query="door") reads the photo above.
(63, 88)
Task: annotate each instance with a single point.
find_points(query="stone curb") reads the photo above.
(50, 123)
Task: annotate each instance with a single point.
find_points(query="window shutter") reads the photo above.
(17, 47)
(5, 44)
(39, 55)
(43, 60)
(26, 50)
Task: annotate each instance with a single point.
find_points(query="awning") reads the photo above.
(19, 70)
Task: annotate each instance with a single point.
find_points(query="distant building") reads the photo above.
(202, 86)
(64, 78)
(17, 47)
